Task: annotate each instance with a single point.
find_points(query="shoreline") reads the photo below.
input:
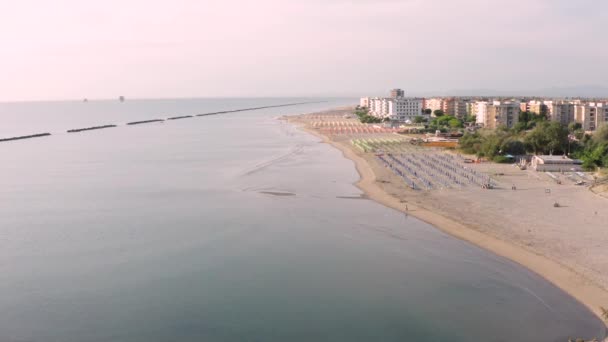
(573, 283)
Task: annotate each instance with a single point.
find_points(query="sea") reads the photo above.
(233, 227)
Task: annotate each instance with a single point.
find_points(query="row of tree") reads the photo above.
(543, 138)
(364, 117)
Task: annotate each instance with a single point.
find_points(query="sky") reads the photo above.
(74, 49)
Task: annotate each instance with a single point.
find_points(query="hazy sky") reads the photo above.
(69, 49)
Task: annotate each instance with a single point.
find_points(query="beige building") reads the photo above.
(536, 107)
(591, 115)
(560, 111)
(502, 114)
(433, 104)
(460, 108)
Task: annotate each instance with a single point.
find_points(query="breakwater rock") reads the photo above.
(76, 130)
(144, 122)
(180, 117)
(25, 137)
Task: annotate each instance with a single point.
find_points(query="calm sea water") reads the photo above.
(165, 232)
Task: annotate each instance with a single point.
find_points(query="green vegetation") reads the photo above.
(419, 119)
(544, 138)
(594, 151)
(502, 159)
(470, 118)
(528, 121)
(428, 111)
(445, 122)
(364, 117)
(438, 112)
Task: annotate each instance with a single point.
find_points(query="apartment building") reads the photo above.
(433, 104)
(379, 106)
(502, 114)
(591, 115)
(480, 110)
(560, 111)
(397, 93)
(399, 109)
(537, 107)
(456, 107)
(364, 102)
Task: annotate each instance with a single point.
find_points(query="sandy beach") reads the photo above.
(566, 245)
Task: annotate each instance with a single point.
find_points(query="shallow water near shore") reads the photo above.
(236, 227)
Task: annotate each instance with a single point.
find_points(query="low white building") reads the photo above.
(555, 163)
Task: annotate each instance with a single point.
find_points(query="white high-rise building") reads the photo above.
(403, 109)
(364, 102)
(480, 110)
(396, 109)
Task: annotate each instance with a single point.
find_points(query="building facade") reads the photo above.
(502, 114)
(560, 111)
(591, 115)
(397, 93)
(480, 110)
(364, 102)
(537, 107)
(433, 104)
(401, 109)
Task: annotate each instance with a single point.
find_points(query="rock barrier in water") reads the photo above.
(144, 122)
(25, 137)
(256, 108)
(76, 130)
(180, 117)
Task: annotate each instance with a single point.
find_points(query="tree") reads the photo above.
(536, 140)
(520, 126)
(470, 142)
(444, 120)
(419, 119)
(574, 126)
(470, 118)
(557, 137)
(428, 111)
(601, 134)
(594, 155)
(490, 146)
(438, 112)
(513, 146)
(455, 123)
(524, 116)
